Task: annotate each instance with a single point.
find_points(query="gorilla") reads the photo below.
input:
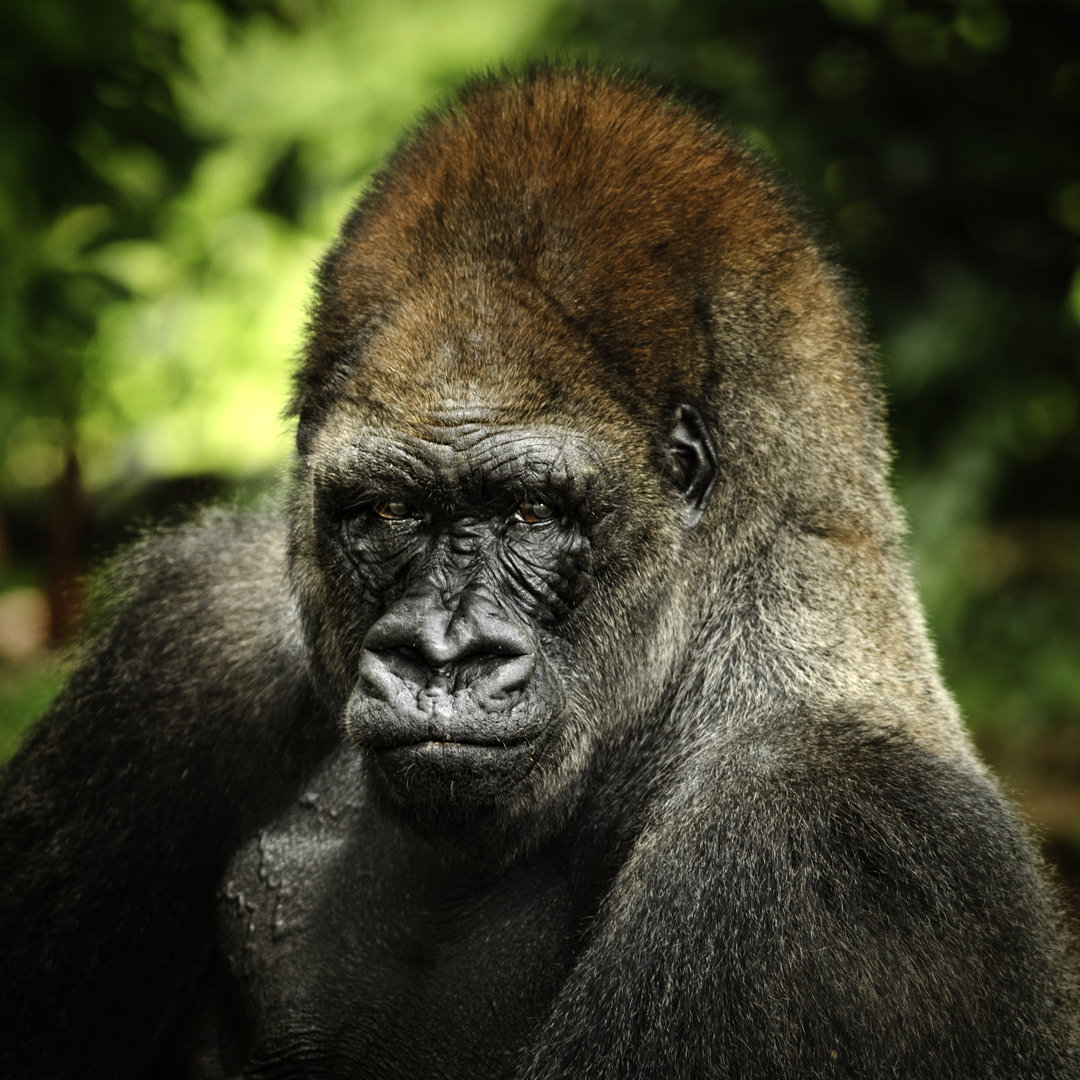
(576, 717)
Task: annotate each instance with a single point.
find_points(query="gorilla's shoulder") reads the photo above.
(856, 806)
(815, 865)
(848, 762)
(200, 616)
(219, 546)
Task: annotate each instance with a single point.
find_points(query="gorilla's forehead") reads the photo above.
(621, 254)
(460, 448)
(493, 350)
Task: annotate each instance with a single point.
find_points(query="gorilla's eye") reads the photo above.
(392, 510)
(534, 513)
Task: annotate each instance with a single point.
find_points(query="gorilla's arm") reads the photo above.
(821, 900)
(189, 717)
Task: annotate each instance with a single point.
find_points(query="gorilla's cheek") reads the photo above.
(463, 737)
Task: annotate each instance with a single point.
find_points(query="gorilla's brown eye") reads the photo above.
(534, 513)
(392, 510)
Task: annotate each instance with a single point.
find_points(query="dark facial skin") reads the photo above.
(462, 547)
(470, 545)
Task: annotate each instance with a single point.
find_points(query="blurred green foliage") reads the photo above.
(171, 169)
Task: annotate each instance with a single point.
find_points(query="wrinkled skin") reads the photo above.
(459, 679)
(576, 717)
(466, 551)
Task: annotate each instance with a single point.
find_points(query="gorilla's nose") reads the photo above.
(434, 652)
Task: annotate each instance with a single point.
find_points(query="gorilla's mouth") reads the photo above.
(463, 724)
(449, 745)
(451, 748)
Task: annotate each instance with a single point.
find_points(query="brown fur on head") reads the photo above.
(611, 253)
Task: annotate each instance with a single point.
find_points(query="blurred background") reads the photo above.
(170, 171)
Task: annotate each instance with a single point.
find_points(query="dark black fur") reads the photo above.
(577, 720)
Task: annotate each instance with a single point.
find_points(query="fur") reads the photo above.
(754, 841)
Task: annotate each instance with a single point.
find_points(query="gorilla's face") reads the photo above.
(471, 545)
(494, 597)
(487, 550)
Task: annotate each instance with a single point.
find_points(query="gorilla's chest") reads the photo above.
(354, 948)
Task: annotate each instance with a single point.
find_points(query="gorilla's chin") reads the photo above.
(449, 774)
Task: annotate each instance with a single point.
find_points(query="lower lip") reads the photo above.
(465, 763)
(434, 748)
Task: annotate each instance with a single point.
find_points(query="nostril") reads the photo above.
(408, 653)
(419, 643)
(407, 661)
(445, 656)
(487, 657)
(484, 673)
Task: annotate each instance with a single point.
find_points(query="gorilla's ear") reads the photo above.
(693, 461)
